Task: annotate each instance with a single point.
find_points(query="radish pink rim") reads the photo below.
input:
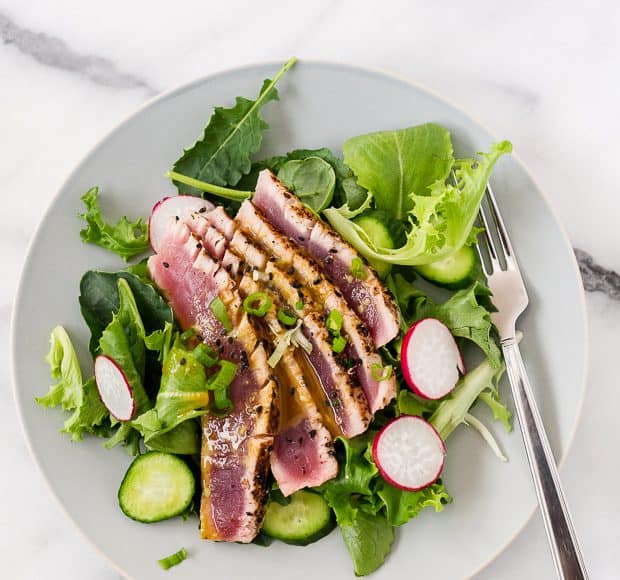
(405, 365)
(124, 376)
(385, 476)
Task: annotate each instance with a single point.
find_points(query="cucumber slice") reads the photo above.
(305, 519)
(157, 486)
(455, 271)
(374, 225)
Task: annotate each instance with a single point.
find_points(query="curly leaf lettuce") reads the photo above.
(124, 238)
(70, 393)
(440, 217)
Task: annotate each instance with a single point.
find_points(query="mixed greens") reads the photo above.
(403, 201)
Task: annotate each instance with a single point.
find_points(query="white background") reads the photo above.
(543, 74)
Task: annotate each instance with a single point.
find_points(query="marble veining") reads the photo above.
(55, 52)
(596, 278)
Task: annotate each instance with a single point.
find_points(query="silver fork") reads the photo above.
(510, 299)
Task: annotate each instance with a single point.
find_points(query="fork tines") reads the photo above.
(499, 252)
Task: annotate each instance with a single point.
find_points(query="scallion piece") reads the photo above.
(379, 372)
(339, 344)
(172, 560)
(189, 333)
(257, 303)
(357, 269)
(221, 400)
(299, 305)
(205, 355)
(286, 317)
(223, 377)
(334, 322)
(219, 311)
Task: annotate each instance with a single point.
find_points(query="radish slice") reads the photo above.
(114, 388)
(409, 453)
(181, 206)
(430, 359)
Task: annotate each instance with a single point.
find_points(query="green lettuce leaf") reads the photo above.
(401, 506)
(347, 191)
(491, 398)
(99, 300)
(466, 318)
(89, 414)
(352, 489)
(124, 238)
(367, 507)
(441, 217)
(394, 164)
(312, 179)
(123, 341)
(368, 538)
(453, 410)
(182, 396)
(222, 155)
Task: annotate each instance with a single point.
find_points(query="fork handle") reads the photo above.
(558, 525)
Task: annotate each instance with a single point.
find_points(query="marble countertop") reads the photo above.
(543, 74)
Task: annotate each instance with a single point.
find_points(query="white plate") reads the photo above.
(321, 105)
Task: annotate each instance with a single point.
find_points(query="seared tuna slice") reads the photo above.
(368, 297)
(360, 349)
(303, 450)
(235, 447)
(341, 387)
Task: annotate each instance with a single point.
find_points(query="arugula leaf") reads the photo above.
(312, 179)
(99, 300)
(394, 164)
(440, 220)
(89, 414)
(222, 155)
(368, 539)
(126, 239)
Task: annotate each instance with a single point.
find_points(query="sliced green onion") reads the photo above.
(219, 311)
(299, 339)
(221, 400)
(379, 372)
(284, 342)
(334, 321)
(257, 303)
(207, 356)
(172, 560)
(339, 344)
(189, 333)
(224, 376)
(286, 317)
(299, 305)
(357, 269)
